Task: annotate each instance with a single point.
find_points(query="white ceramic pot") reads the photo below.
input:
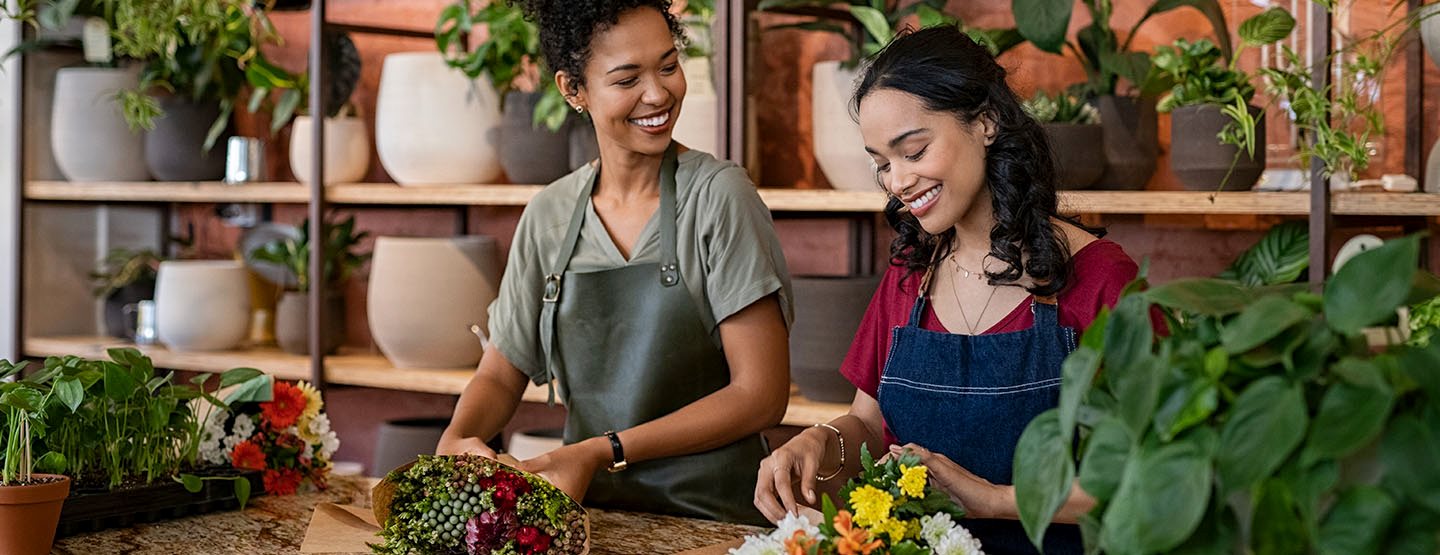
(347, 149)
(435, 126)
(202, 305)
(88, 135)
(839, 148)
(1430, 31)
(698, 125)
(529, 444)
(424, 295)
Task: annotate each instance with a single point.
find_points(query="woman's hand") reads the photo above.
(450, 445)
(979, 497)
(798, 459)
(571, 467)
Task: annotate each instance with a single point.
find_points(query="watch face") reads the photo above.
(617, 467)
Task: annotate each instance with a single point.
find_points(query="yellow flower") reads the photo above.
(912, 480)
(872, 505)
(912, 528)
(312, 409)
(896, 529)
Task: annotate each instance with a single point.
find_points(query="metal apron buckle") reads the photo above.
(552, 288)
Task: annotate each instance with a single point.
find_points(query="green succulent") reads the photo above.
(1061, 108)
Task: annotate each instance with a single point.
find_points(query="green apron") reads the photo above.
(628, 345)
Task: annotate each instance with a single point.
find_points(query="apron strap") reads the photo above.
(554, 275)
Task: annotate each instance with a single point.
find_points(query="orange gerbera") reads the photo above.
(284, 408)
(799, 543)
(247, 455)
(852, 540)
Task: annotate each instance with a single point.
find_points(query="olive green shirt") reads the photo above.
(729, 255)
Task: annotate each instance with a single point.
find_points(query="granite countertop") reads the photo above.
(277, 525)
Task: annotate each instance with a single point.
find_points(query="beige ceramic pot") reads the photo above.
(202, 305)
(424, 295)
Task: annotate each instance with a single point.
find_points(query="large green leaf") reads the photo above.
(874, 22)
(23, 398)
(1187, 405)
(1132, 371)
(1410, 451)
(70, 392)
(1162, 498)
(1078, 371)
(1280, 257)
(1350, 417)
(1106, 451)
(1211, 10)
(1261, 322)
(1278, 527)
(1367, 289)
(1043, 474)
(1267, 421)
(1216, 533)
(1269, 26)
(1211, 297)
(257, 389)
(1414, 533)
(998, 41)
(1043, 22)
(119, 384)
(1356, 524)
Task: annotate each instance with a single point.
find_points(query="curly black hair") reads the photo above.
(568, 26)
(951, 73)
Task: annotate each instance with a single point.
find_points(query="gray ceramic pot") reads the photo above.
(174, 150)
(1201, 161)
(399, 441)
(583, 147)
(292, 322)
(529, 155)
(827, 313)
(1079, 154)
(1131, 141)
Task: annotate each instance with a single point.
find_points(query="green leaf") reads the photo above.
(1188, 405)
(1414, 533)
(1211, 297)
(1077, 372)
(1261, 322)
(1269, 26)
(1350, 417)
(1409, 451)
(1367, 289)
(874, 22)
(1043, 474)
(1131, 370)
(1280, 257)
(119, 385)
(1162, 498)
(236, 376)
(70, 392)
(285, 109)
(1107, 450)
(256, 389)
(1043, 22)
(1278, 527)
(192, 483)
(1216, 533)
(51, 462)
(1356, 524)
(1267, 421)
(1211, 10)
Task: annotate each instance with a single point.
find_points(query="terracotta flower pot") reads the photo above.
(29, 515)
(292, 322)
(1079, 154)
(1201, 161)
(426, 293)
(827, 313)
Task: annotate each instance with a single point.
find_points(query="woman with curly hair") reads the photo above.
(649, 284)
(963, 341)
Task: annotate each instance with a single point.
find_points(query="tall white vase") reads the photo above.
(347, 149)
(839, 148)
(202, 305)
(435, 126)
(88, 136)
(698, 127)
(424, 295)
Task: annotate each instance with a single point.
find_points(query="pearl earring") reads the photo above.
(579, 109)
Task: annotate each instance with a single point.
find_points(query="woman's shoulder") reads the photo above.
(706, 179)
(554, 203)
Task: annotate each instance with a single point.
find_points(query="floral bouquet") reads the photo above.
(287, 438)
(894, 511)
(468, 504)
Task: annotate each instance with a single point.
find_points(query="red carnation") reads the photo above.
(247, 455)
(532, 540)
(284, 408)
(283, 481)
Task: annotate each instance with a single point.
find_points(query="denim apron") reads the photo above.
(629, 345)
(970, 396)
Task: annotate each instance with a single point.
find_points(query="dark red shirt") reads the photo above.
(1101, 270)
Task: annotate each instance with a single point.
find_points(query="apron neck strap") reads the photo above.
(668, 258)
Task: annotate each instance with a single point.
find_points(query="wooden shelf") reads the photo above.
(780, 200)
(361, 370)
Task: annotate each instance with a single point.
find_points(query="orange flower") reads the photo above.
(799, 544)
(284, 408)
(247, 455)
(851, 540)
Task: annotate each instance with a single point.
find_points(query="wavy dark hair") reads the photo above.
(567, 27)
(951, 73)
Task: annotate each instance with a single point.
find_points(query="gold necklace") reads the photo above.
(954, 259)
(955, 292)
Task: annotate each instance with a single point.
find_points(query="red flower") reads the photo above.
(283, 481)
(248, 455)
(287, 403)
(532, 540)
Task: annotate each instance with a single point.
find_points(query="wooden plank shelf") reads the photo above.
(353, 369)
(779, 200)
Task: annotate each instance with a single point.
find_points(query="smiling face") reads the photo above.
(633, 83)
(931, 160)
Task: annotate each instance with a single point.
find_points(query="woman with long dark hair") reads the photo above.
(648, 285)
(963, 341)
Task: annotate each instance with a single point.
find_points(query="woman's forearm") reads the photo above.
(1070, 512)
(489, 400)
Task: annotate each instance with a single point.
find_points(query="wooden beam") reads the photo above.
(320, 76)
(1414, 100)
(1320, 220)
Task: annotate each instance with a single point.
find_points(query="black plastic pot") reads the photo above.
(174, 150)
(1202, 162)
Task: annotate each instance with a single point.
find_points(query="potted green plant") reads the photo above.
(30, 502)
(1261, 422)
(1214, 127)
(535, 143)
(347, 143)
(125, 277)
(292, 313)
(1076, 137)
(1131, 126)
(836, 136)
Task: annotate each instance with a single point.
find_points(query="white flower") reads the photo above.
(957, 541)
(760, 545)
(243, 427)
(785, 529)
(934, 527)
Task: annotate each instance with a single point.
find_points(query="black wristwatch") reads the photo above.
(618, 452)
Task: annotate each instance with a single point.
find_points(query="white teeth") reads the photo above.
(656, 121)
(925, 199)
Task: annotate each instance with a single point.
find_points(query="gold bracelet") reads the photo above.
(840, 438)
